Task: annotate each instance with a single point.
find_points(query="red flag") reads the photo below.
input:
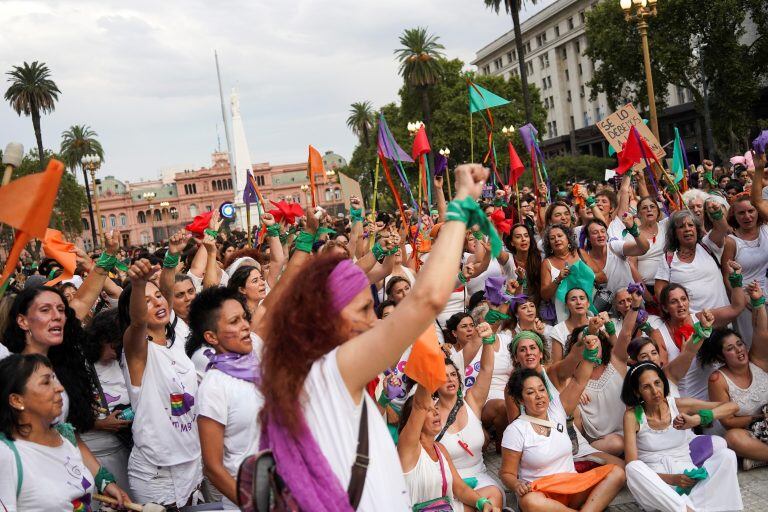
(516, 167)
(420, 143)
(199, 224)
(426, 364)
(632, 151)
(26, 204)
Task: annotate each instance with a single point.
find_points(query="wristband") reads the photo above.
(103, 478)
(590, 202)
(378, 251)
(700, 333)
(383, 400)
(610, 328)
(736, 280)
(478, 235)
(284, 237)
(273, 230)
(490, 340)
(109, 261)
(710, 179)
(211, 233)
(480, 504)
(171, 260)
(499, 202)
(591, 356)
(463, 278)
(707, 416)
(633, 230)
(646, 328)
(356, 215)
(716, 215)
(756, 303)
(469, 212)
(304, 242)
(493, 316)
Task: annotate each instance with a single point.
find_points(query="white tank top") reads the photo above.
(165, 427)
(604, 414)
(664, 448)
(425, 481)
(473, 438)
(502, 366)
(752, 399)
(694, 382)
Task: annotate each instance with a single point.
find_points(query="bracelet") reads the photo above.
(708, 176)
(590, 202)
(469, 212)
(171, 260)
(103, 478)
(211, 232)
(716, 215)
(304, 242)
(383, 400)
(736, 280)
(463, 278)
(490, 340)
(109, 262)
(756, 303)
(480, 504)
(356, 215)
(700, 333)
(591, 356)
(633, 230)
(707, 416)
(610, 328)
(273, 230)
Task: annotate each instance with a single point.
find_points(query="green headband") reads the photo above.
(526, 335)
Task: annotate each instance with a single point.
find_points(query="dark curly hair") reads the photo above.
(516, 380)
(15, 371)
(124, 314)
(72, 368)
(204, 314)
(240, 277)
(104, 330)
(568, 234)
(711, 350)
(452, 324)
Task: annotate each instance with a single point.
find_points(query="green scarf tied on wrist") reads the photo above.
(736, 280)
(591, 356)
(710, 179)
(634, 231)
(700, 333)
(304, 241)
(273, 230)
(356, 215)
(109, 262)
(469, 212)
(493, 316)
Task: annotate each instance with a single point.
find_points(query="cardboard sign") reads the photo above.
(616, 128)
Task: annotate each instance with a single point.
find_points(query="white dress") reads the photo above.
(752, 255)
(427, 479)
(666, 452)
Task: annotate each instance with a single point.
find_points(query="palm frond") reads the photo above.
(31, 89)
(420, 57)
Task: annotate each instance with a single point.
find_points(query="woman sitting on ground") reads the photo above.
(42, 469)
(427, 466)
(744, 381)
(538, 451)
(577, 304)
(463, 346)
(661, 471)
(460, 413)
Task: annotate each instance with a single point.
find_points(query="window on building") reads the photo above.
(680, 95)
(193, 210)
(567, 75)
(570, 23)
(112, 221)
(528, 47)
(103, 222)
(142, 218)
(229, 183)
(552, 102)
(337, 194)
(86, 224)
(549, 81)
(514, 72)
(123, 219)
(578, 48)
(581, 91)
(158, 216)
(557, 30)
(569, 96)
(564, 53)
(208, 207)
(529, 67)
(260, 181)
(554, 128)
(327, 194)
(213, 185)
(174, 213)
(573, 123)
(581, 70)
(581, 17)
(544, 83)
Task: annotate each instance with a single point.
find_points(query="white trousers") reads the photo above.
(164, 485)
(719, 492)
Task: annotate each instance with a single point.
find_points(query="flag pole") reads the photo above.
(471, 138)
(248, 222)
(519, 212)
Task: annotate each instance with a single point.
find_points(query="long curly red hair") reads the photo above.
(300, 329)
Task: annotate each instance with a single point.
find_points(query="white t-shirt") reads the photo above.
(334, 420)
(542, 455)
(617, 268)
(471, 368)
(112, 383)
(495, 268)
(4, 352)
(234, 403)
(54, 479)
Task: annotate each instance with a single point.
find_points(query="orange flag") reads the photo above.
(315, 164)
(426, 364)
(26, 204)
(60, 250)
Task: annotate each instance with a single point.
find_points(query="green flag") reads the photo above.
(481, 99)
(678, 164)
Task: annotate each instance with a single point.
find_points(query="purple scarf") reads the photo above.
(304, 468)
(239, 366)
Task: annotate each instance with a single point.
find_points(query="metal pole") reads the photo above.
(707, 114)
(96, 204)
(642, 25)
(90, 207)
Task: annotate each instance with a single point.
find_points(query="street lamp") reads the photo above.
(644, 9)
(508, 131)
(92, 163)
(148, 197)
(12, 157)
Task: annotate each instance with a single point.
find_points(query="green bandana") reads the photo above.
(493, 316)
(109, 262)
(469, 212)
(693, 474)
(526, 335)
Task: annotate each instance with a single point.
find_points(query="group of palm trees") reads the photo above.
(420, 56)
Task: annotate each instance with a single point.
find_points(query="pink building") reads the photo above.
(153, 210)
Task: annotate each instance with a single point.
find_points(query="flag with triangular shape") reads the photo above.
(516, 167)
(481, 98)
(678, 162)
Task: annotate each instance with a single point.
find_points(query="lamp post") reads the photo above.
(92, 163)
(148, 197)
(305, 189)
(644, 9)
(12, 157)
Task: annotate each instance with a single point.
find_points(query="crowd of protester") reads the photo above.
(617, 336)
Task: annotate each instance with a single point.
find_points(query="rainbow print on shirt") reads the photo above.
(181, 403)
(83, 503)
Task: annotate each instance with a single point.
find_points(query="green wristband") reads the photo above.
(109, 262)
(756, 303)
(499, 202)
(736, 280)
(356, 215)
(273, 230)
(284, 237)
(711, 179)
(646, 327)
(633, 230)
(591, 356)
(463, 278)
(383, 400)
(478, 235)
(490, 340)
(378, 251)
(211, 232)
(469, 213)
(103, 478)
(590, 202)
(700, 333)
(304, 242)
(610, 328)
(707, 417)
(716, 215)
(171, 260)
(480, 504)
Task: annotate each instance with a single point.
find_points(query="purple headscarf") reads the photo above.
(344, 283)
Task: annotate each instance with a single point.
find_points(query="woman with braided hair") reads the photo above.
(460, 413)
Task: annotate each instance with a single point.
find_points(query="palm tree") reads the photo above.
(361, 121)
(420, 63)
(31, 92)
(76, 142)
(513, 7)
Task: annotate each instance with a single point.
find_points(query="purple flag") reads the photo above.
(387, 144)
(249, 194)
(441, 164)
(527, 133)
(760, 143)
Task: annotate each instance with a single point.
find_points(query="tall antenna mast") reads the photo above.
(226, 124)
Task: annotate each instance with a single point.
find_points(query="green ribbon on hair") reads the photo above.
(109, 262)
(469, 212)
(493, 316)
(526, 335)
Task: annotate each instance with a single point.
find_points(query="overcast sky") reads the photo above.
(142, 73)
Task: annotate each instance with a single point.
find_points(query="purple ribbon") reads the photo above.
(760, 143)
(642, 317)
(495, 292)
(582, 238)
(636, 288)
(239, 366)
(441, 164)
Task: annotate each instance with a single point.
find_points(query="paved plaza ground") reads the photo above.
(754, 489)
